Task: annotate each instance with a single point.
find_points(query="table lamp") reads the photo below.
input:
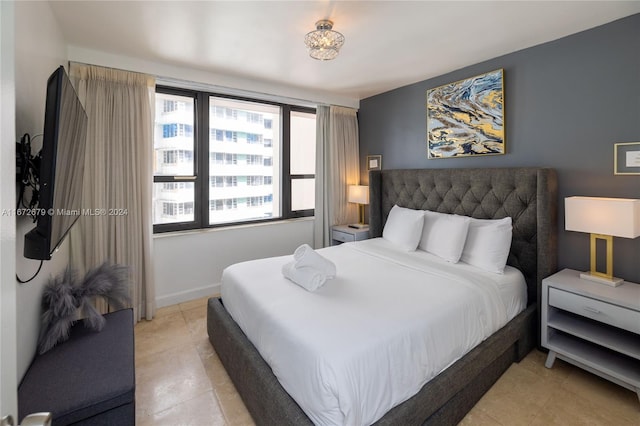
(358, 194)
(603, 218)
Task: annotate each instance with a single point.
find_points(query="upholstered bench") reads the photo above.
(87, 380)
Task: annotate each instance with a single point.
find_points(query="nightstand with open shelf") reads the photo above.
(593, 326)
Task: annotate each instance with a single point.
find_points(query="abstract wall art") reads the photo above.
(465, 118)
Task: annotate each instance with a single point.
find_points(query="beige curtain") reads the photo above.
(118, 178)
(337, 166)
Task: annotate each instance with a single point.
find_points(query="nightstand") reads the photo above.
(593, 326)
(344, 234)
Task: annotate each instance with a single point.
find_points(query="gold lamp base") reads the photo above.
(361, 224)
(607, 277)
(613, 282)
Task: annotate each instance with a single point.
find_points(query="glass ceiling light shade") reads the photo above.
(324, 43)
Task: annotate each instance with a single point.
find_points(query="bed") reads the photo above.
(527, 195)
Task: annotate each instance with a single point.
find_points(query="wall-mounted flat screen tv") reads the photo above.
(61, 168)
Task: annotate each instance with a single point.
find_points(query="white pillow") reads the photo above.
(403, 227)
(488, 244)
(444, 235)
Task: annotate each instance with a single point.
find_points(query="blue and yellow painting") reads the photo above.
(466, 118)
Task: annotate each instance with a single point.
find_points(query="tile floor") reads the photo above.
(180, 381)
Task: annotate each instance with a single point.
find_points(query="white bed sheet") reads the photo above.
(373, 336)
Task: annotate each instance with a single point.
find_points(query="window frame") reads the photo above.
(290, 177)
(201, 152)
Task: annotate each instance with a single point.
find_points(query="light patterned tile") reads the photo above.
(196, 320)
(517, 397)
(235, 412)
(199, 411)
(204, 348)
(160, 334)
(196, 303)
(214, 368)
(166, 310)
(169, 378)
(567, 408)
(608, 397)
(477, 417)
(535, 360)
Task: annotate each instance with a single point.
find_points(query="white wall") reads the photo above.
(189, 265)
(9, 382)
(39, 50)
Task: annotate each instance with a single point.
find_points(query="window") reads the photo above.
(253, 138)
(185, 130)
(173, 186)
(223, 160)
(302, 165)
(177, 156)
(169, 130)
(217, 135)
(255, 201)
(253, 160)
(230, 159)
(169, 157)
(254, 180)
(253, 117)
(177, 209)
(231, 114)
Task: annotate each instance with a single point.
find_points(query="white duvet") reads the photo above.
(373, 336)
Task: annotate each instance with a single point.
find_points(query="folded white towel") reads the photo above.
(309, 269)
(306, 277)
(305, 256)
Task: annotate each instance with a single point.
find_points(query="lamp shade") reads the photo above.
(618, 217)
(358, 194)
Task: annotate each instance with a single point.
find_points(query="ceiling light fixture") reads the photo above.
(324, 43)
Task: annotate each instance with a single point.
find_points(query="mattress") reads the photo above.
(370, 338)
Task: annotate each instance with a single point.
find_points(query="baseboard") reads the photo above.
(187, 295)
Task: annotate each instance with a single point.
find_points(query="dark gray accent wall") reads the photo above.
(566, 103)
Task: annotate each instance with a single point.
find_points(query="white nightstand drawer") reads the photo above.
(600, 311)
(343, 236)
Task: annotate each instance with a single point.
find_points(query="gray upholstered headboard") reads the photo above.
(528, 195)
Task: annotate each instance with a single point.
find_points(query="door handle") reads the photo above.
(35, 419)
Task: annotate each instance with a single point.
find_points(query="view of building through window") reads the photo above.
(174, 148)
(244, 160)
(251, 184)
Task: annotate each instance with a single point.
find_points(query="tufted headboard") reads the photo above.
(528, 195)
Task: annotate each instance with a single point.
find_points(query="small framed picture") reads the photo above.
(626, 158)
(374, 162)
